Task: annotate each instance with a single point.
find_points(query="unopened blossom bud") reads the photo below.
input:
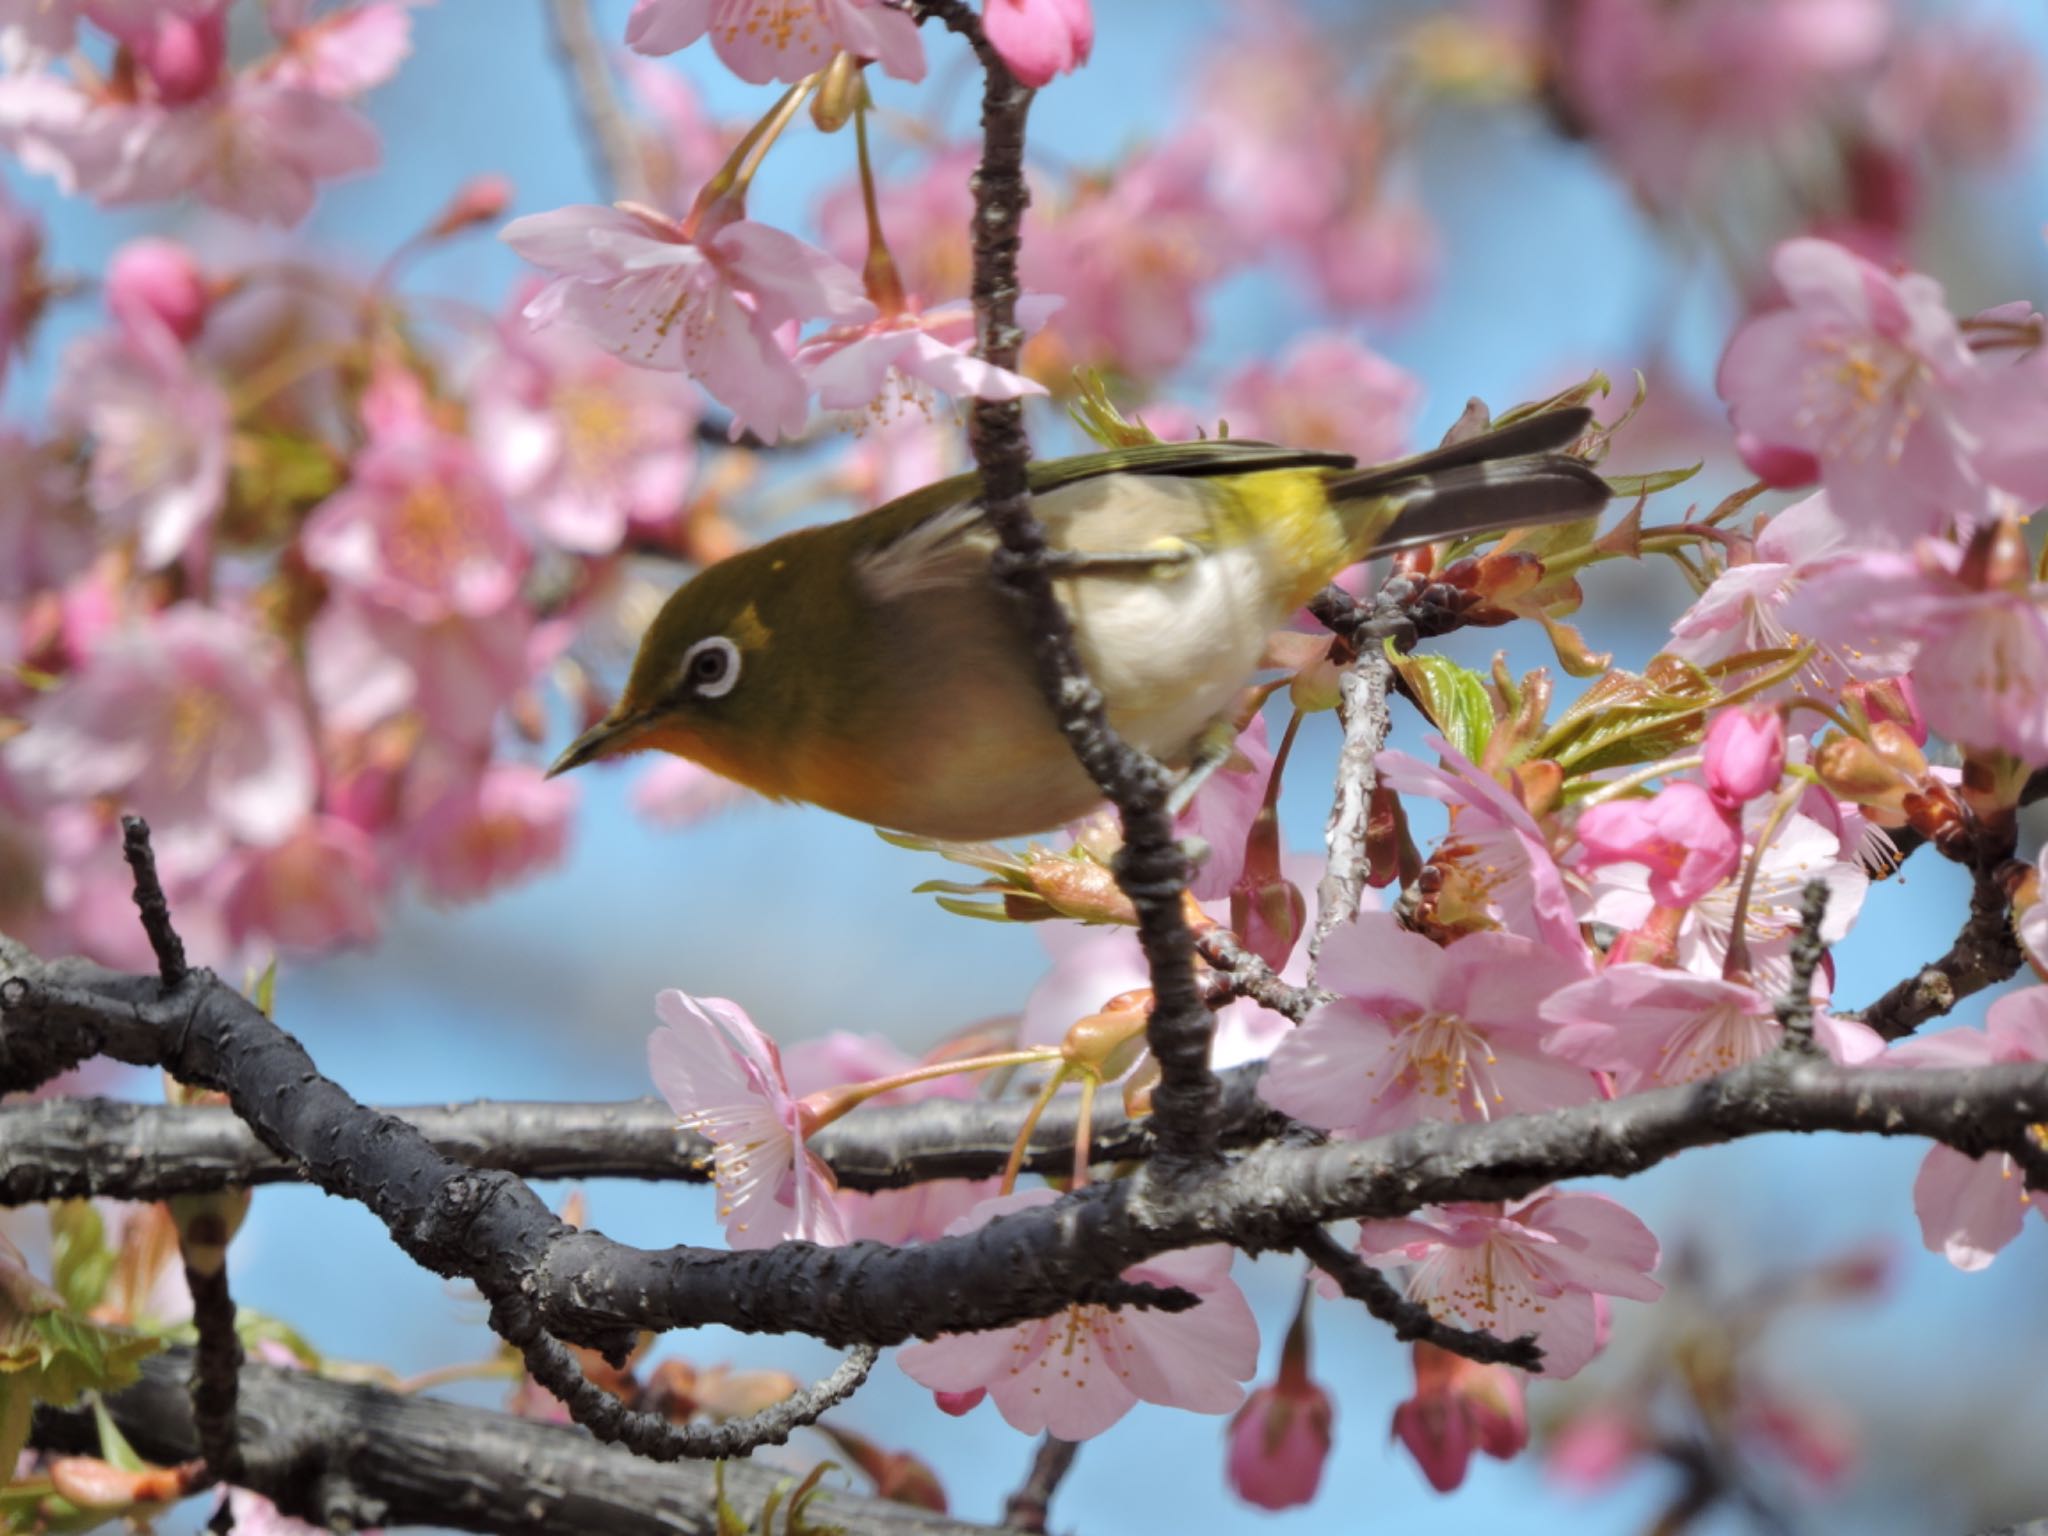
(183, 56)
(1895, 744)
(1745, 755)
(1280, 1438)
(842, 90)
(1109, 1042)
(898, 1476)
(958, 1403)
(1079, 888)
(1891, 699)
(155, 284)
(1269, 916)
(1853, 771)
(479, 200)
(1459, 1407)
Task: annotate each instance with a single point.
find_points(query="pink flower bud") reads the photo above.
(1680, 835)
(1040, 38)
(1778, 466)
(479, 200)
(183, 56)
(958, 1403)
(1279, 1440)
(1459, 1407)
(1745, 753)
(1891, 699)
(156, 283)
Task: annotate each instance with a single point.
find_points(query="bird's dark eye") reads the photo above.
(711, 667)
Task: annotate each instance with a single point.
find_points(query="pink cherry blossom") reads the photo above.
(1423, 1032)
(895, 1216)
(893, 363)
(1262, 112)
(1744, 751)
(1652, 1027)
(1221, 812)
(1380, 258)
(763, 40)
(1327, 391)
(1981, 671)
(1970, 1208)
(724, 1079)
(190, 719)
(320, 888)
(1538, 1265)
(689, 144)
(343, 54)
(1867, 375)
(1803, 850)
(482, 835)
(898, 456)
(159, 430)
(1962, 90)
(1279, 1441)
(1076, 1373)
(250, 146)
(645, 289)
(1679, 835)
(1460, 1407)
(366, 665)
(32, 32)
(578, 441)
(1502, 858)
(1039, 39)
(155, 285)
(419, 527)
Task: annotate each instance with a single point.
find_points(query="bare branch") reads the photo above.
(607, 133)
(353, 1456)
(164, 942)
(1984, 953)
(1027, 1508)
(1795, 1007)
(1244, 974)
(1151, 868)
(1362, 705)
(1411, 1322)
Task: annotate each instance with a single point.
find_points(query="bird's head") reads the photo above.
(717, 679)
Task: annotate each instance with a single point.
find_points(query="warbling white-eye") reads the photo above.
(873, 666)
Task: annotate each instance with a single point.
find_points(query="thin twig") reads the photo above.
(164, 942)
(607, 133)
(1362, 706)
(1027, 1508)
(1794, 1007)
(1984, 953)
(1244, 974)
(1411, 1322)
(1151, 868)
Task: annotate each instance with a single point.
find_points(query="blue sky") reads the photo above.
(809, 921)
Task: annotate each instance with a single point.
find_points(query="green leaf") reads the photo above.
(115, 1450)
(1625, 718)
(76, 1356)
(798, 1521)
(1648, 485)
(81, 1263)
(993, 912)
(1454, 698)
(264, 993)
(729, 1521)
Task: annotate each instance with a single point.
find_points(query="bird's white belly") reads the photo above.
(1170, 650)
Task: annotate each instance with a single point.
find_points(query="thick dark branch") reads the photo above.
(1027, 1508)
(1409, 1320)
(1984, 953)
(71, 1149)
(1151, 868)
(361, 1456)
(217, 1363)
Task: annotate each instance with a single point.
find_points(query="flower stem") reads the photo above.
(883, 282)
(821, 1109)
(1084, 1123)
(731, 181)
(1737, 963)
(1015, 1165)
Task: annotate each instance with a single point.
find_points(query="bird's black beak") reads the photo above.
(608, 738)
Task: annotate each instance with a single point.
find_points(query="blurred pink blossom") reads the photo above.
(160, 434)
(675, 792)
(724, 1080)
(320, 888)
(643, 288)
(1379, 259)
(366, 665)
(1221, 812)
(1538, 1265)
(46, 530)
(1971, 1207)
(763, 40)
(1424, 1032)
(1327, 391)
(155, 285)
(477, 837)
(343, 54)
(419, 527)
(578, 441)
(1078, 1372)
(190, 718)
(1279, 1441)
(1968, 92)
(1039, 39)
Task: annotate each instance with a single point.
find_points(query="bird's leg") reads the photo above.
(1212, 750)
(1086, 562)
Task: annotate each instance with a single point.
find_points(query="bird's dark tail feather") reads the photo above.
(1512, 477)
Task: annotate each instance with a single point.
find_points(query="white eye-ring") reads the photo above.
(711, 667)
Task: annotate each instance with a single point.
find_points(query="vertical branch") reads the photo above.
(1362, 705)
(1152, 869)
(217, 1362)
(164, 943)
(1028, 1507)
(614, 153)
(1795, 1006)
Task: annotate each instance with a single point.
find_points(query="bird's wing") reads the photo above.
(937, 536)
